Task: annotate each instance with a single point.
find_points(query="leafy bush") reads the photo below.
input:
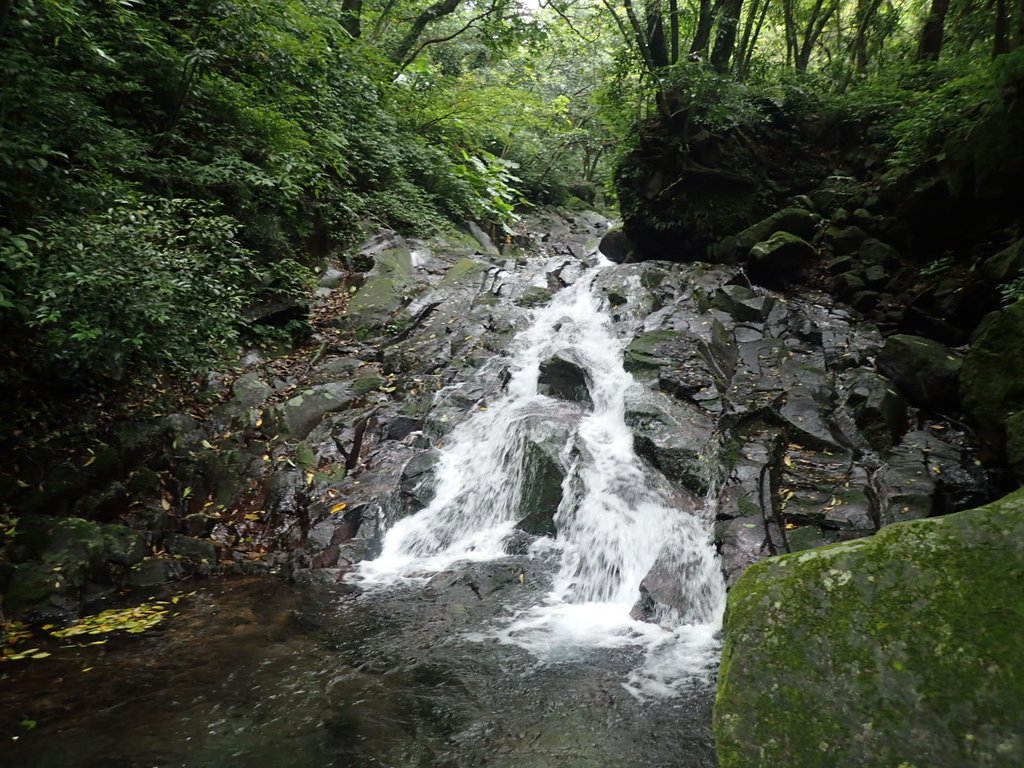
(144, 283)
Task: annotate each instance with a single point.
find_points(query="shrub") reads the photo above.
(147, 282)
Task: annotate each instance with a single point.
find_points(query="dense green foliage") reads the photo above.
(159, 156)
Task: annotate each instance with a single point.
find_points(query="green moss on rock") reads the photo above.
(904, 648)
(992, 378)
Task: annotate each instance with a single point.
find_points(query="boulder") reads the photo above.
(878, 410)
(534, 296)
(1006, 264)
(781, 255)
(249, 390)
(846, 239)
(1015, 442)
(541, 492)
(992, 380)
(615, 244)
(305, 410)
(331, 278)
(564, 379)
(898, 650)
(925, 371)
(795, 221)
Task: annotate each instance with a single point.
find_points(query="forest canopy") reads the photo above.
(209, 154)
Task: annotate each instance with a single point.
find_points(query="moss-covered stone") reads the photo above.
(1006, 264)
(534, 296)
(461, 270)
(781, 255)
(899, 650)
(925, 371)
(1015, 442)
(796, 221)
(992, 379)
(647, 353)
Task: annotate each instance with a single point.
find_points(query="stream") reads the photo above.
(465, 641)
(527, 478)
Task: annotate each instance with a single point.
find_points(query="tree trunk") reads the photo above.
(930, 45)
(351, 13)
(673, 26)
(702, 35)
(866, 10)
(815, 26)
(1018, 36)
(789, 19)
(5, 10)
(1001, 40)
(725, 40)
(747, 54)
(748, 31)
(436, 11)
(656, 38)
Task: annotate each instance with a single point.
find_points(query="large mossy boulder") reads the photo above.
(795, 221)
(925, 371)
(780, 256)
(902, 650)
(992, 379)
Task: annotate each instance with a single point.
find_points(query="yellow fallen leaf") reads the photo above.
(787, 461)
(340, 506)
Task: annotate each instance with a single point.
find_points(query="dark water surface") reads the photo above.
(266, 673)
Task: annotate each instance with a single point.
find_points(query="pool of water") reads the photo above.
(270, 673)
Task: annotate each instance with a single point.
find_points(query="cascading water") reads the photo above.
(613, 524)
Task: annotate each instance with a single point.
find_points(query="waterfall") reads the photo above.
(613, 524)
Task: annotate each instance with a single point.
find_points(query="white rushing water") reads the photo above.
(613, 525)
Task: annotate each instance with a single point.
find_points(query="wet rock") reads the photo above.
(674, 437)
(667, 594)
(1005, 265)
(840, 264)
(649, 352)
(249, 390)
(400, 427)
(878, 410)
(417, 482)
(154, 571)
(848, 285)
(1015, 442)
(846, 239)
(122, 545)
(565, 379)
(876, 252)
(615, 245)
(780, 256)
(482, 238)
(806, 412)
(862, 628)
(992, 380)
(331, 278)
(57, 558)
(926, 371)
(794, 221)
(925, 476)
(463, 270)
(197, 550)
(743, 303)
(541, 491)
(741, 543)
(534, 296)
(199, 524)
(305, 410)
